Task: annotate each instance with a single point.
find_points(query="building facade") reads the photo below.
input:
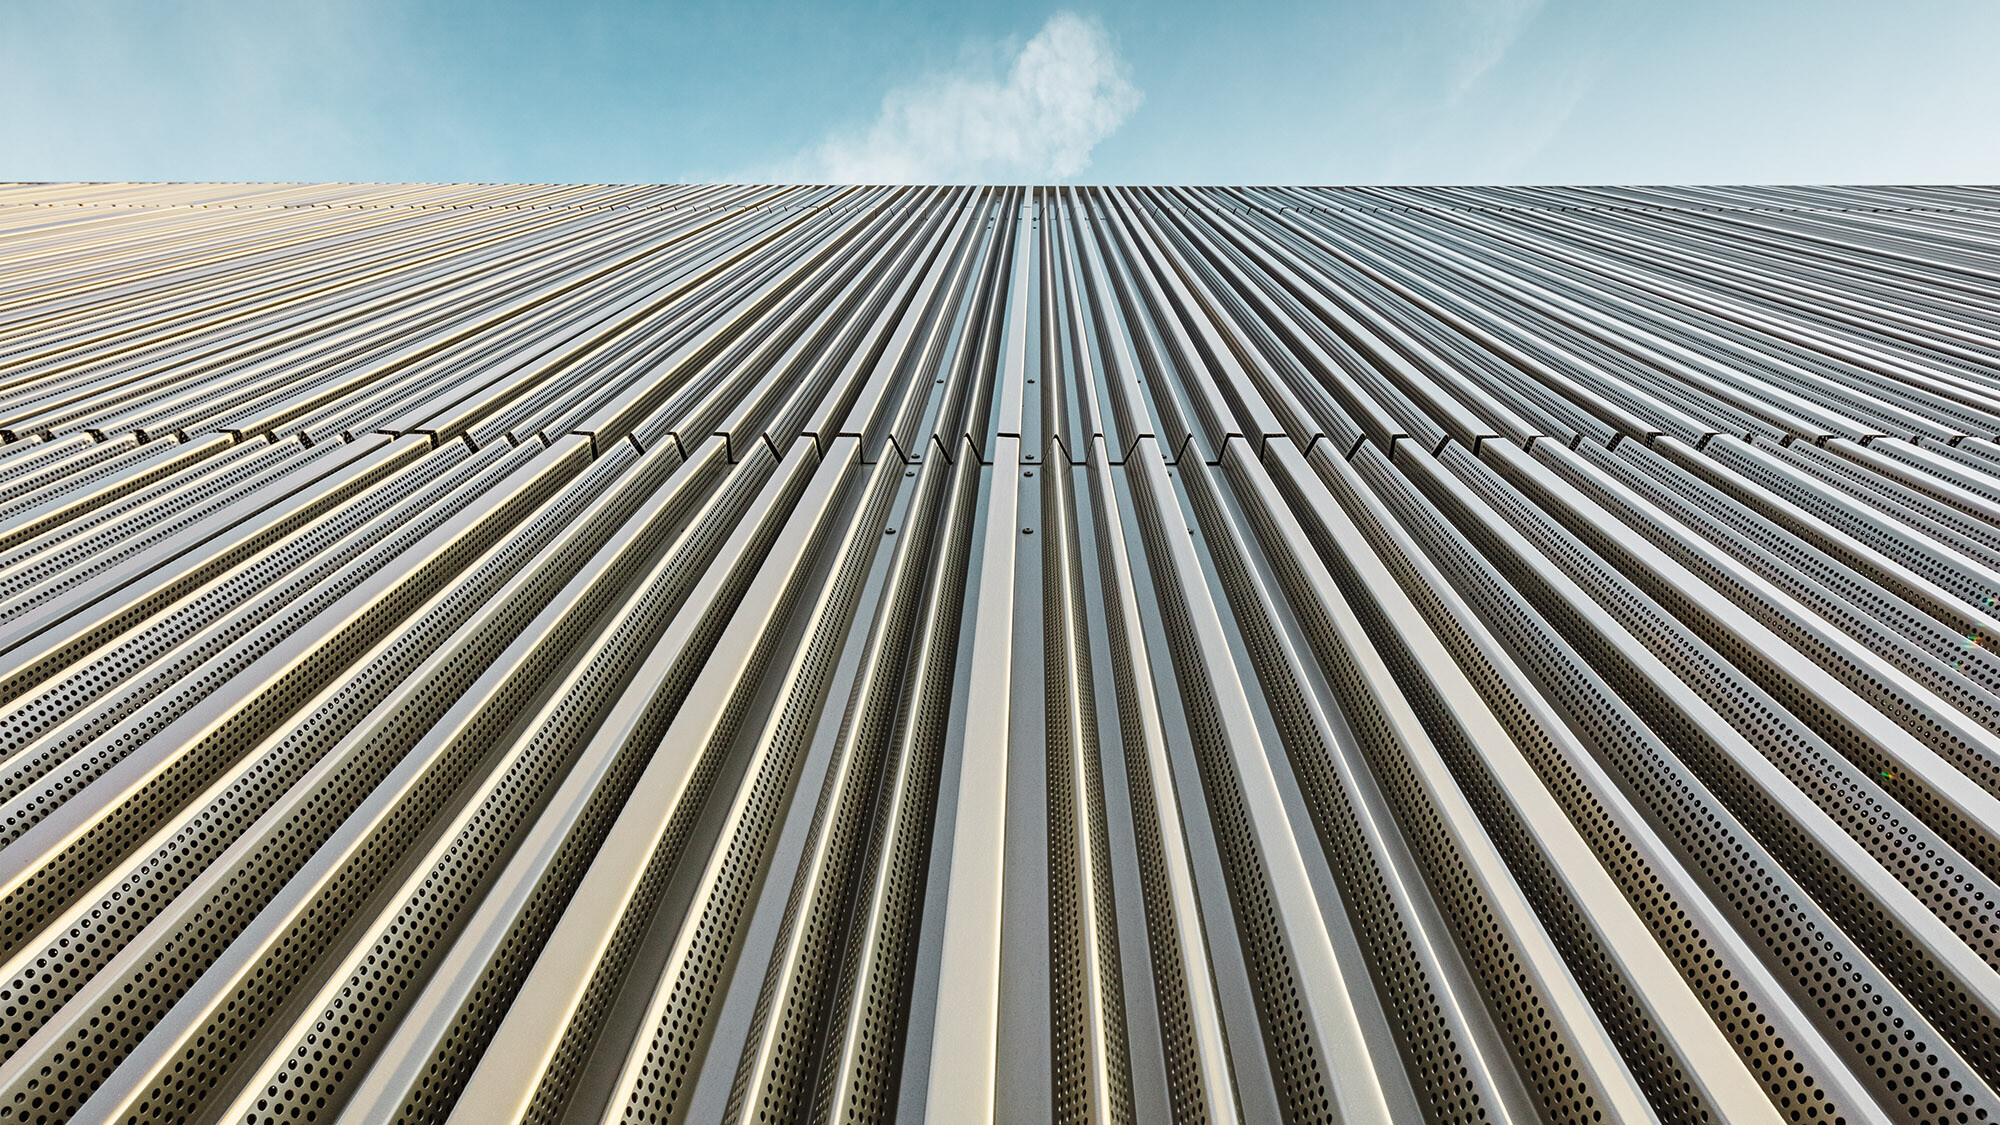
(979, 654)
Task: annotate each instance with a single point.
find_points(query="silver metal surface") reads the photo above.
(991, 654)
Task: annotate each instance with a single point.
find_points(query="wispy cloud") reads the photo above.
(1499, 84)
(1490, 28)
(1062, 94)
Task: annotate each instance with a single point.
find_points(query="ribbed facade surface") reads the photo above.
(851, 654)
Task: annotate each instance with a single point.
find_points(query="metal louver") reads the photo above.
(843, 654)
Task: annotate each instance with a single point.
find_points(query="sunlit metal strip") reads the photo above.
(1942, 978)
(490, 665)
(1759, 793)
(1671, 293)
(965, 1039)
(1199, 1080)
(1796, 1066)
(449, 1023)
(1695, 1045)
(514, 1068)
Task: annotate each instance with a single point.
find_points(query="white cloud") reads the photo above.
(1066, 91)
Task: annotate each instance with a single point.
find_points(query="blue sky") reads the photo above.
(1384, 91)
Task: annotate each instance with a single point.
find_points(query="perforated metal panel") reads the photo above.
(848, 654)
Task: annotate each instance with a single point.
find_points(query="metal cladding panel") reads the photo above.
(979, 654)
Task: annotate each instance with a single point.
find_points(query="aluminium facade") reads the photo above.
(842, 654)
